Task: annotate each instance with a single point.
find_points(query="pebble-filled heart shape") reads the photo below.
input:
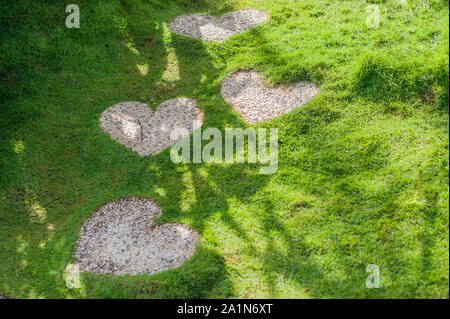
(120, 239)
(247, 92)
(147, 131)
(209, 28)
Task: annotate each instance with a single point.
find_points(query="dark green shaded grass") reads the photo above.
(363, 172)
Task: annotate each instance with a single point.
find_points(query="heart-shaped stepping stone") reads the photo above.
(147, 131)
(120, 239)
(209, 28)
(247, 92)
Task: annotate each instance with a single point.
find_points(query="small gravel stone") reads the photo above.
(247, 92)
(209, 28)
(120, 239)
(146, 131)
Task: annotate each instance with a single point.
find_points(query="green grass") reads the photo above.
(363, 167)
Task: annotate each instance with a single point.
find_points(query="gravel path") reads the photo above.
(120, 239)
(247, 92)
(209, 28)
(146, 131)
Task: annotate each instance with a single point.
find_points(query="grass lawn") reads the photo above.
(363, 167)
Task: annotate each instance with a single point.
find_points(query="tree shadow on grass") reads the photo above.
(366, 223)
(291, 259)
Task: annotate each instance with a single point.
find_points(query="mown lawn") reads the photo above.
(363, 167)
